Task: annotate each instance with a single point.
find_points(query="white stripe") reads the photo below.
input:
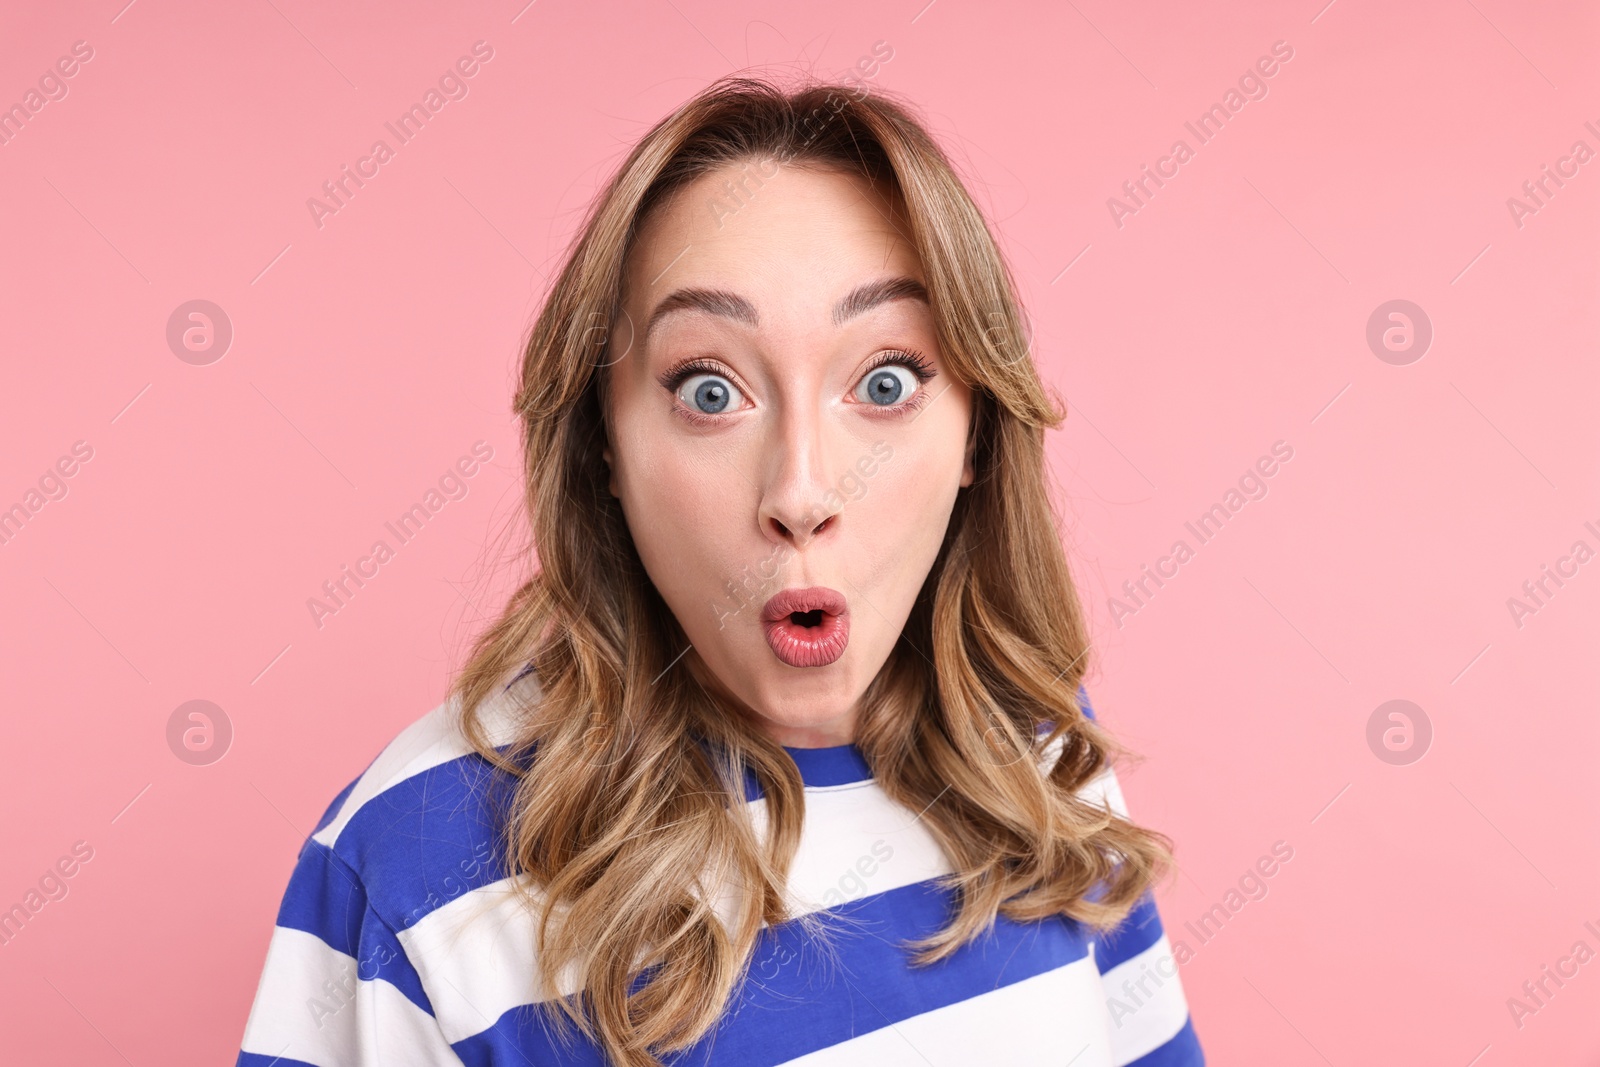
(312, 1006)
(1051, 753)
(1102, 788)
(1050, 1020)
(433, 739)
(476, 958)
(857, 842)
(1144, 1017)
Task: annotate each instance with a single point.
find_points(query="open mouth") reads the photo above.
(807, 627)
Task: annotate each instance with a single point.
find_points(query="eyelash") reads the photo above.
(913, 361)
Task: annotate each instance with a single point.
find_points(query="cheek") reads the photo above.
(679, 510)
(902, 517)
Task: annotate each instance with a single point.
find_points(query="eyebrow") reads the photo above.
(730, 305)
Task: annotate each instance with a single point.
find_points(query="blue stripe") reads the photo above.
(835, 765)
(523, 1027)
(522, 1036)
(255, 1059)
(428, 839)
(846, 764)
(325, 899)
(796, 999)
(1140, 930)
(338, 802)
(1183, 1050)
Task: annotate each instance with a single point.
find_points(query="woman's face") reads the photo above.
(781, 423)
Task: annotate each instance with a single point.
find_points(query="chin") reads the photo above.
(793, 698)
(784, 692)
(808, 696)
(800, 710)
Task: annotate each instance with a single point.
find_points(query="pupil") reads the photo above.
(884, 387)
(806, 618)
(712, 397)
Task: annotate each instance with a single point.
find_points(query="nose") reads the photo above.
(798, 501)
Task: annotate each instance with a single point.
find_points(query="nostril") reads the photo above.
(805, 524)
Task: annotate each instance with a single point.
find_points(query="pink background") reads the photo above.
(1228, 313)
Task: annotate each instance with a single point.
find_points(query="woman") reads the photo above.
(786, 737)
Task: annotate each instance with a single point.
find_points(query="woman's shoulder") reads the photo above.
(423, 823)
(373, 929)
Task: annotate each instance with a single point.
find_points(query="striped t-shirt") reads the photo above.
(401, 941)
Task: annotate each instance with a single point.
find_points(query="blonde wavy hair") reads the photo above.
(630, 818)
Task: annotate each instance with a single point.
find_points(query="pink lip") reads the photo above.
(800, 645)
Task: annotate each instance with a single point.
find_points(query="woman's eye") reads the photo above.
(888, 384)
(708, 394)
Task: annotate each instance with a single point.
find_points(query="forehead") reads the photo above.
(791, 234)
